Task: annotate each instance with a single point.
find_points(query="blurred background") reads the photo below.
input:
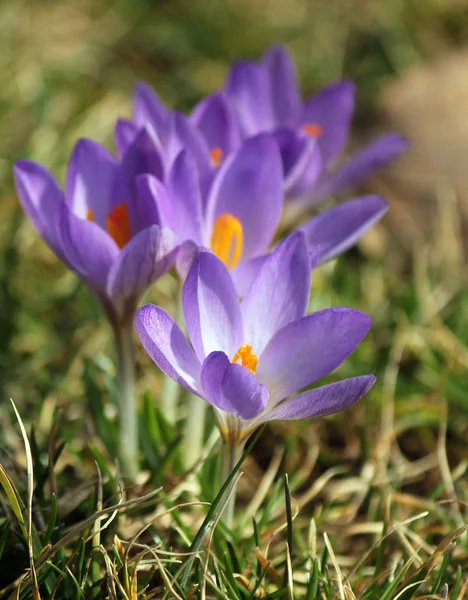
(67, 70)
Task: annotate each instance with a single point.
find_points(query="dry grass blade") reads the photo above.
(30, 473)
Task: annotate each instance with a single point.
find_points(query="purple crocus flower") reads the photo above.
(209, 135)
(236, 217)
(100, 227)
(311, 135)
(249, 359)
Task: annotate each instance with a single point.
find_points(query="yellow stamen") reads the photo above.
(90, 215)
(216, 156)
(118, 224)
(227, 239)
(312, 129)
(248, 359)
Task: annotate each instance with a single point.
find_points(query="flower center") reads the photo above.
(312, 129)
(227, 239)
(117, 224)
(247, 358)
(216, 156)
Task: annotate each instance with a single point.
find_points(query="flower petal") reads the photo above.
(284, 87)
(40, 198)
(245, 273)
(249, 186)
(279, 294)
(337, 229)
(248, 88)
(143, 157)
(146, 257)
(95, 181)
(302, 161)
(148, 110)
(88, 248)
(359, 168)
(211, 307)
(166, 345)
(183, 135)
(322, 401)
(307, 349)
(215, 118)
(232, 388)
(153, 204)
(184, 195)
(332, 109)
(124, 134)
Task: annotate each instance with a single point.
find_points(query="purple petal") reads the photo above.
(306, 350)
(279, 294)
(232, 388)
(284, 88)
(249, 186)
(145, 258)
(321, 401)
(88, 248)
(302, 160)
(143, 157)
(248, 88)
(95, 181)
(215, 118)
(41, 199)
(148, 110)
(153, 203)
(183, 135)
(166, 345)
(337, 229)
(359, 168)
(332, 109)
(245, 273)
(184, 194)
(124, 134)
(211, 307)
(188, 252)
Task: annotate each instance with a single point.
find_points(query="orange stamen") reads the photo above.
(118, 224)
(248, 359)
(90, 215)
(227, 239)
(216, 156)
(312, 129)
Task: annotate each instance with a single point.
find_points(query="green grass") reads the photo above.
(369, 504)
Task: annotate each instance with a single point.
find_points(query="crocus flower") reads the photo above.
(209, 135)
(100, 227)
(237, 216)
(251, 360)
(311, 134)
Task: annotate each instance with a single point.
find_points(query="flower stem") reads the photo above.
(230, 455)
(128, 426)
(194, 430)
(169, 399)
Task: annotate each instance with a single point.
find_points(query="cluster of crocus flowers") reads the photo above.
(207, 193)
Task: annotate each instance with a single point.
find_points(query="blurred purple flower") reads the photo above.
(236, 217)
(248, 359)
(209, 135)
(101, 227)
(311, 135)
